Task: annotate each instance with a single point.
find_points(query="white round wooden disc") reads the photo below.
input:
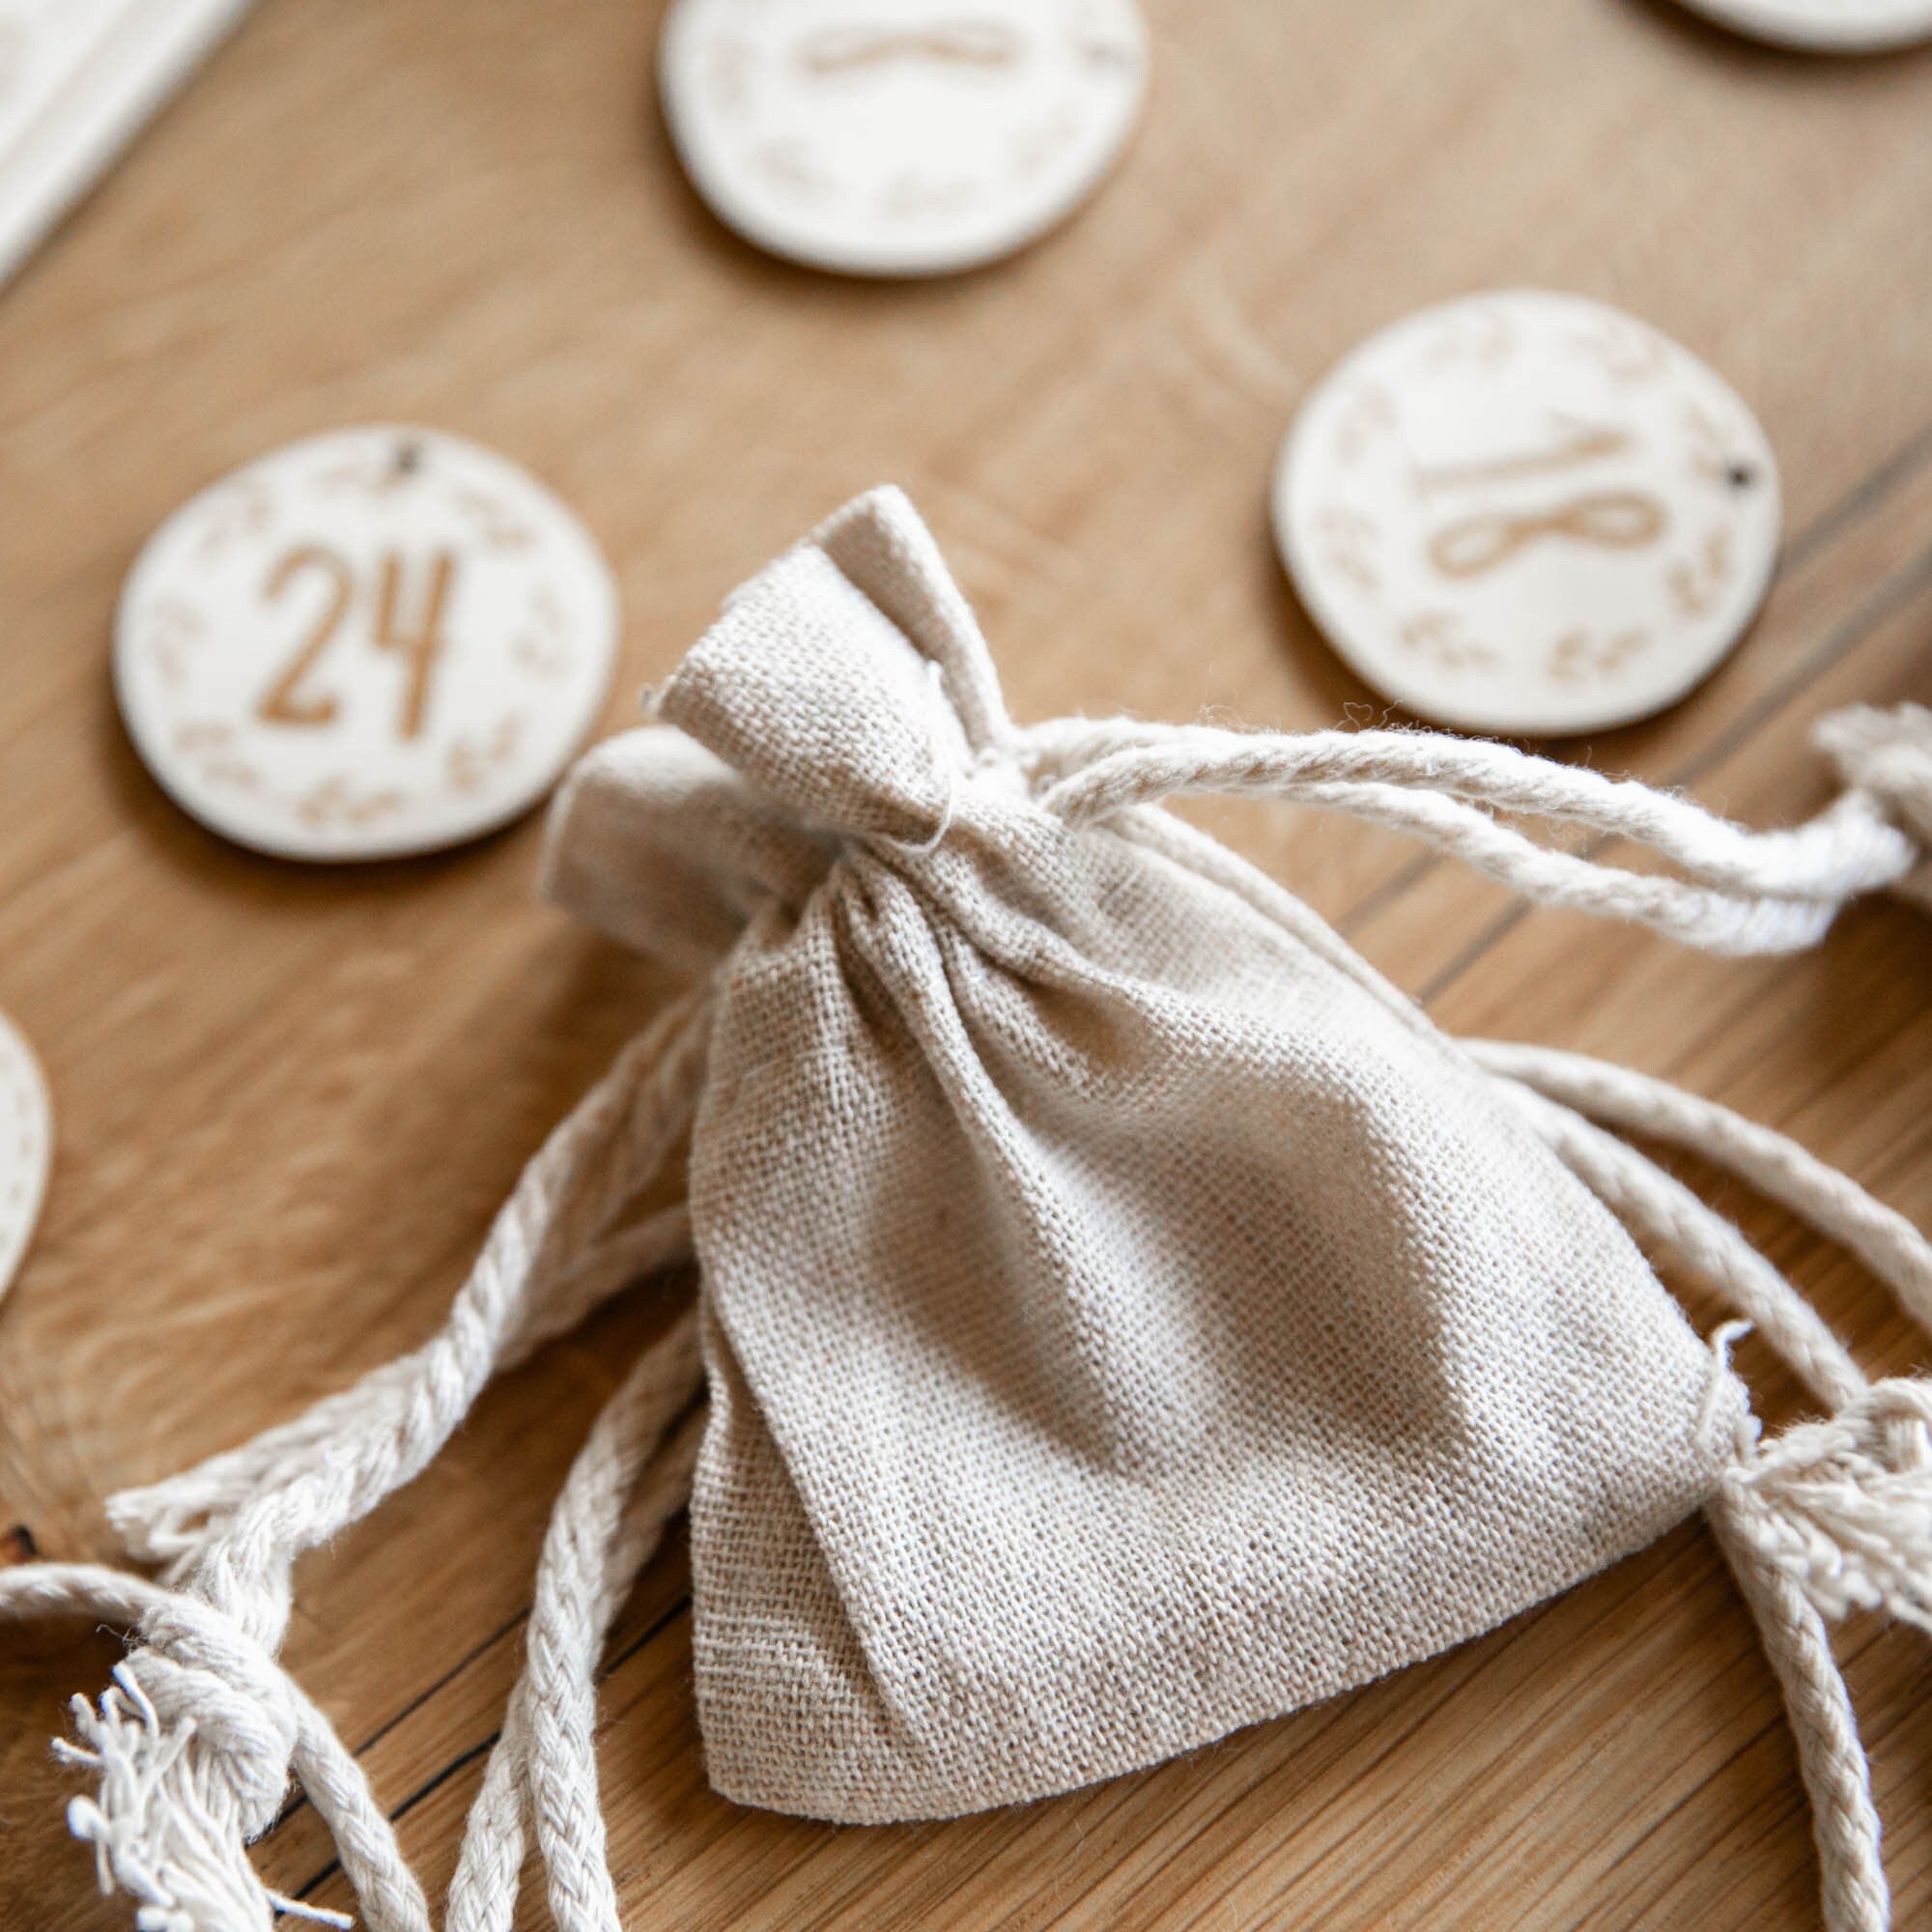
(900, 137)
(1527, 513)
(1825, 26)
(371, 642)
(26, 1148)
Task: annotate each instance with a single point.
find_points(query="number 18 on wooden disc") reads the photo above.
(373, 643)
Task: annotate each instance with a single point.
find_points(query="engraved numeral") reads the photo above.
(422, 646)
(291, 698)
(284, 702)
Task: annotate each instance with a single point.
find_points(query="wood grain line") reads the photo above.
(290, 1099)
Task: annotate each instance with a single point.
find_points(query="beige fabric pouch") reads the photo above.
(1128, 1318)
(1120, 1317)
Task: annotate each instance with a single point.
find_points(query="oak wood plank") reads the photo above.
(289, 1100)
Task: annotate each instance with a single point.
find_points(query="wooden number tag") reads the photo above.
(373, 643)
(1527, 513)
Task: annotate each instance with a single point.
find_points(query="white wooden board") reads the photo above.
(77, 80)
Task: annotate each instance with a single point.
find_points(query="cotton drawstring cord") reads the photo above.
(1830, 1516)
(194, 1743)
(549, 1237)
(1853, 1893)
(1668, 1217)
(1740, 891)
(1771, 1162)
(543, 1771)
(173, 1519)
(1887, 755)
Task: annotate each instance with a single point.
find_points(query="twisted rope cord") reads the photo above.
(1831, 1758)
(202, 1687)
(1743, 891)
(543, 1771)
(594, 1163)
(174, 1519)
(1829, 1517)
(1889, 755)
(194, 1744)
(1662, 1211)
(1772, 1163)
(571, 1616)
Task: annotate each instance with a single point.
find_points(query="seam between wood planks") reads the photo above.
(1825, 531)
(471, 1753)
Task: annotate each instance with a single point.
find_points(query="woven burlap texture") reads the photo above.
(1126, 1317)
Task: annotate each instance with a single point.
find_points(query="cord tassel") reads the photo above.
(1829, 1517)
(1843, 1506)
(193, 1745)
(838, 820)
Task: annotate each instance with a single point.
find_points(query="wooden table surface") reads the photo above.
(289, 1099)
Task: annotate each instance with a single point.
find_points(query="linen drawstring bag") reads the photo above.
(1122, 1317)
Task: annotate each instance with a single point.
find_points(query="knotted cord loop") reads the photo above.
(1740, 891)
(1831, 1516)
(1889, 755)
(193, 1745)
(198, 1668)
(1844, 1505)
(1827, 1517)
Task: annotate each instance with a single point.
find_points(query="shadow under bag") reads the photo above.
(1127, 1318)
(1123, 1316)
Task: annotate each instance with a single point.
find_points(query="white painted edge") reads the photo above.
(23, 1094)
(139, 60)
(1825, 32)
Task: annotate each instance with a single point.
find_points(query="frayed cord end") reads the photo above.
(311, 1915)
(141, 1822)
(1843, 1506)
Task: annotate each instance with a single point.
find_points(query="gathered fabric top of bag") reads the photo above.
(1121, 1316)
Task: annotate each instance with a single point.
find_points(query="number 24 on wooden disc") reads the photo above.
(372, 643)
